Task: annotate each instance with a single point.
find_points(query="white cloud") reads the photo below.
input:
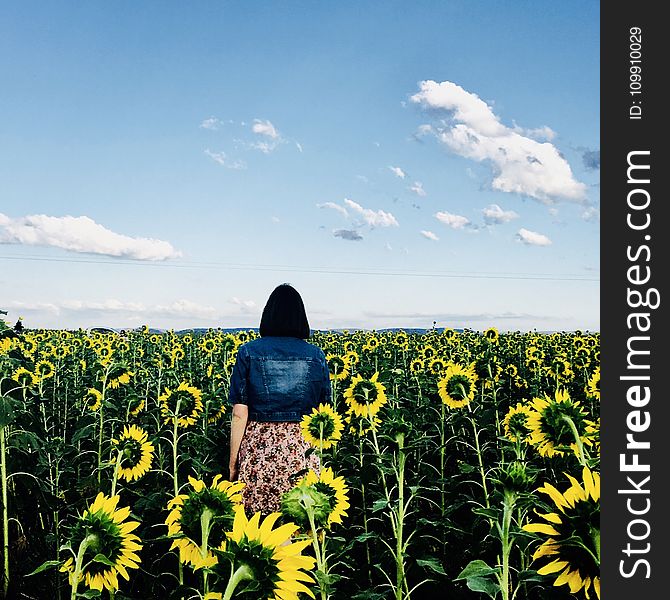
(222, 159)
(298, 145)
(247, 306)
(373, 218)
(265, 128)
(494, 215)
(429, 235)
(335, 207)
(81, 234)
(275, 219)
(211, 123)
(531, 238)
(417, 188)
(520, 163)
(591, 213)
(398, 172)
(113, 307)
(451, 220)
(348, 234)
(541, 134)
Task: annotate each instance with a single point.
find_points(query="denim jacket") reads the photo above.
(279, 378)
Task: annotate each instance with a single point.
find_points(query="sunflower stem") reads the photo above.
(79, 561)
(320, 555)
(205, 526)
(175, 439)
(578, 440)
(479, 458)
(509, 501)
(101, 424)
(243, 573)
(117, 466)
(5, 515)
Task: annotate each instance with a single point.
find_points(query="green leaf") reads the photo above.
(101, 558)
(44, 566)
(485, 586)
(432, 564)
(476, 568)
(7, 414)
(379, 505)
(90, 594)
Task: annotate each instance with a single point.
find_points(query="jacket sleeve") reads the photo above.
(239, 380)
(325, 395)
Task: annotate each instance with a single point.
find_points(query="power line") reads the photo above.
(306, 269)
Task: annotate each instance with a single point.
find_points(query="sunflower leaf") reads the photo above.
(486, 586)
(44, 566)
(101, 558)
(432, 564)
(476, 568)
(7, 414)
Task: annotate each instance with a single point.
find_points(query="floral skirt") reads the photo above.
(271, 461)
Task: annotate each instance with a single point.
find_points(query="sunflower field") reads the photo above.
(454, 464)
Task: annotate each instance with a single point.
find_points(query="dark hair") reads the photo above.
(284, 314)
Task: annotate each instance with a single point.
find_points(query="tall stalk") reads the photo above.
(5, 514)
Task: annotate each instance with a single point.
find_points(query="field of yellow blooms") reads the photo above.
(454, 464)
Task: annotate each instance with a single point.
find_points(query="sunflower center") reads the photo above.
(131, 453)
(365, 391)
(322, 420)
(458, 387)
(219, 506)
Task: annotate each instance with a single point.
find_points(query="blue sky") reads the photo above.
(400, 163)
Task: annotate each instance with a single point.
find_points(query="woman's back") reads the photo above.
(279, 378)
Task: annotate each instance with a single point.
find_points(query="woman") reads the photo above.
(277, 379)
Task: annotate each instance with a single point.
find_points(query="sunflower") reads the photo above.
(449, 333)
(437, 366)
(118, 376)
(365, 396)
(349, 346)
(45, 369)
(135, 453)
(135, 404)
(560, 369)
(103, 530)
(428, 352)
(351, 358)
(28, 346)
(177, 353)
(457, 387)
(491, 335)
(550, 423)
(359, 425)
(338, 367)
(265, 555)
(571, 550)
(336, 490)
(323, 427)
(417, 366)
(533, 363)
(24, 377)
(216, 404)
(371, 344)
(516, 423)
(214, 505)
(208, 346)
(593, 386)
(185, 403)
(511, 371)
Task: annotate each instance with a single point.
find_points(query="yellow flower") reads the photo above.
(365, 396)
(135, 453)
(108, 533)
(322, 427)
